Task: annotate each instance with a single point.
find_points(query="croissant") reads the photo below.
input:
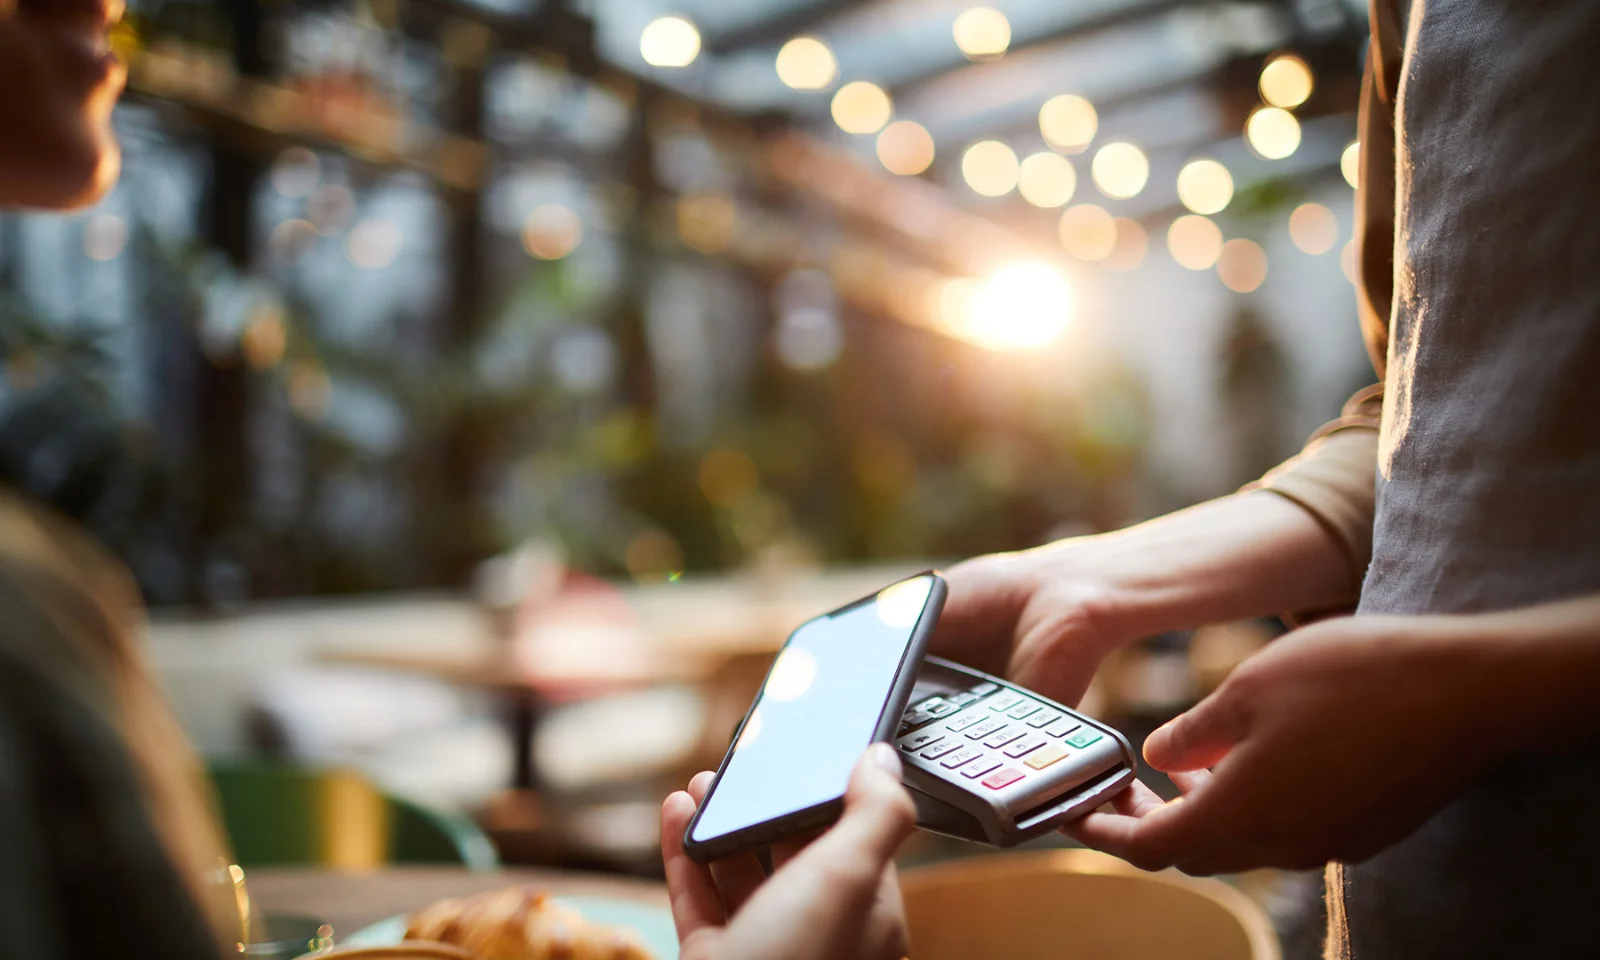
(517, 923)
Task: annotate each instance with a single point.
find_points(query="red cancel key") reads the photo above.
(1001, 778)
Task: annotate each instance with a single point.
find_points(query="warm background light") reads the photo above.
(669, 42)
(861, 107)
(1194, 242)
(990, 168)
(1286, 81)
(1313, 228)
(905, 147)
(1120, 170)
(1242, 265)
(551, 232)
(1020, 306)
(1205, 186)
(1088, 232)
(105, 236)
(1130, 247)
(982, 33)
(1350, 163)
(1068, 122)
(1272, 132)
(806, 63)
(373, 244)
(1046, 179)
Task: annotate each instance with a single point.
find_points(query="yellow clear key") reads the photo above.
(1043, 758)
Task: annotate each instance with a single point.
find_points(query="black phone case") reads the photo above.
(823, 814)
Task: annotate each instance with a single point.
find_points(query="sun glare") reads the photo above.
(1020, 306)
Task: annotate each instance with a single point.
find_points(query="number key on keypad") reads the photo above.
(964, 721)
(1005, 701)
(1004, 737)
(964, 755)
(1027, 744)
(939, 749)
(985, 728)
(1024, 709)
(1043, 719)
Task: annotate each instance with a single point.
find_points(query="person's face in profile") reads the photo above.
(58, 83)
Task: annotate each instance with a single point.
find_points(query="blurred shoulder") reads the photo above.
(64, 601)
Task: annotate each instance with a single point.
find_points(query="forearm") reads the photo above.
(1541, 666)
(1244, 555)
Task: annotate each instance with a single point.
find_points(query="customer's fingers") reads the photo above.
(738, 876)
(696, 905)
(878, 816)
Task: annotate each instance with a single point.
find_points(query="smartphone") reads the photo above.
(840, 682)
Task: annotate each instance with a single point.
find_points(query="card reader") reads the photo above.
(992, 762)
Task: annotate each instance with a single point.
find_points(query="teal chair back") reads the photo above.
(280, 814)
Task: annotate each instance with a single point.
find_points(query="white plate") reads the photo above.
(653, 925)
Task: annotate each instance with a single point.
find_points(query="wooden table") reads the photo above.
(351, 901)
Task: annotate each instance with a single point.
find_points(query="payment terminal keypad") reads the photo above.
(987, 732)
(989, 761)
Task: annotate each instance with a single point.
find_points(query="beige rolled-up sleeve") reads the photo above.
(1334, 479)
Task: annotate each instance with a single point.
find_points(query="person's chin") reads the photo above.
(76, 174)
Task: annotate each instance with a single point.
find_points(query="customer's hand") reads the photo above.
(1330, 744)
(1045, 618)
(1039, 618)
(836, 897)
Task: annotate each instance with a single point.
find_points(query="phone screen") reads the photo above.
(816, 712)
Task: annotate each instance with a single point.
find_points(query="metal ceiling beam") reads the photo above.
(772, 31)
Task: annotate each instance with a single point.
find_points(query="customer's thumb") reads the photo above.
(878, 812)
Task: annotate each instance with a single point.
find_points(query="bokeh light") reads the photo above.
(990, 168)
(1129, 249)
(1068, 122)
(105, 236)
(1120, 170)
(1272, 132)
(1046, 179)
(373, 244)
(1286, 81)
(1313, 228)
(331, 207)
(669, 42)
(264, 339)
(905, 147)
(1088, 232)
(1242, 265)
(290, 240)
(296, 172)
(982, 33)
(551, 232)
(806, 63)
(1350, 163)
(1019, 306)
(1205, 186)
(1194, 242)
(861, 107)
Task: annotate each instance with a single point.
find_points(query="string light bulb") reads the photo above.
(806, 63)
(670, 41)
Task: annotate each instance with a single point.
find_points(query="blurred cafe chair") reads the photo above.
(280, 814)
(1078, 903)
